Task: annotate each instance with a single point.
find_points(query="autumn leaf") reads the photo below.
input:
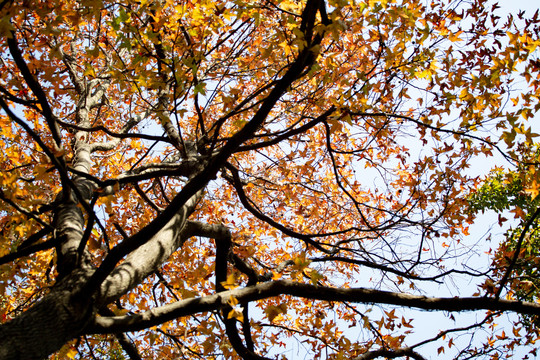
(236, 313)
(273, 311)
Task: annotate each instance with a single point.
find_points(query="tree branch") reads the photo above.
(304, 60)
(390, 354)
(237, 184)
(35, 87)
(314, 292)
(517, 251)
(29, 250)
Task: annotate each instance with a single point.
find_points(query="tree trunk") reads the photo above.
(48, 325)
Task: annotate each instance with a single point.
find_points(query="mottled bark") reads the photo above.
(261, 291)
(48, 325)
(148, 258)
(64, 313)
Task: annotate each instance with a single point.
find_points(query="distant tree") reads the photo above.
(516, 261)
(200, 179)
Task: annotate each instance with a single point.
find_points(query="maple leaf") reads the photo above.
(533, 189)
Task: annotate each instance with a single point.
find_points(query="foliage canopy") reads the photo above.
(201, 179)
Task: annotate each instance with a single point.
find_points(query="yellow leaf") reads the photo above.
(107, 201)
(120, 312)
(236, 313)
(314, 276)
(71, 353)
(6, 27)
(273, 311)
(533, 189)
(454, 37)
(152, 337)
(89, 71)
(230, 283)
(232, 301)
(301, 262)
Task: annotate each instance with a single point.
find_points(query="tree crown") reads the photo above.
(265, 170)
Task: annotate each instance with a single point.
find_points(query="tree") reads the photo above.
(516, 260)
(274, 171)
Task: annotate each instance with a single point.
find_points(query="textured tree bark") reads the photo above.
(48, 325)
(218, 301)
(65, 313)
(66, 310)
(145, 260)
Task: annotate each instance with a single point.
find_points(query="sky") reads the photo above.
(427, 323)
